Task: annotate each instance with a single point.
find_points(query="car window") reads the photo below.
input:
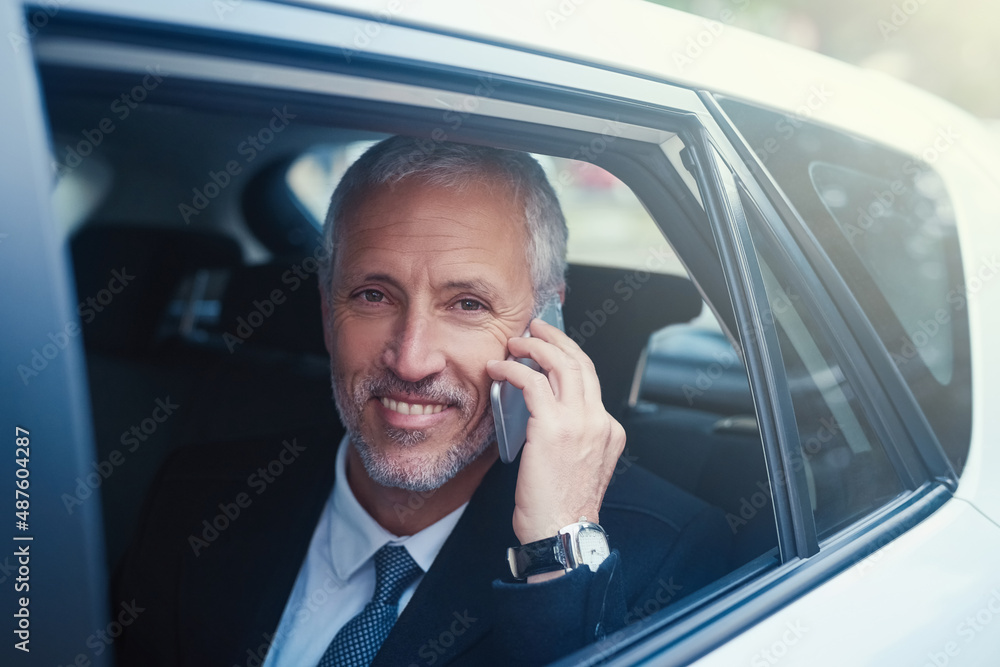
(608, 225)
(886, 221)
(846, 468)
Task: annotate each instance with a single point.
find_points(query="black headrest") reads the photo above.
(125, 276)
(275, 304)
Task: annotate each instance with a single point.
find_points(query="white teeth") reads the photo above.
(412, 408)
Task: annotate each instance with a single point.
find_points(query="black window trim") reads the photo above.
(762, 355)
(908, 428)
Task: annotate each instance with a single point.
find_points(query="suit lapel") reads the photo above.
(452, 608)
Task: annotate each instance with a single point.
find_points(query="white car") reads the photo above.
(784, 268)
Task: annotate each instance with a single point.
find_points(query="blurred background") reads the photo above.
(949, 47)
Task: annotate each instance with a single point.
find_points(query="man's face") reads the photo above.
(428, 285)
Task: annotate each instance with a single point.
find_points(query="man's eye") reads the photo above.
(470, 304)
(373, 295)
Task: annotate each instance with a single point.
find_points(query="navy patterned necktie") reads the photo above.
(359, 640)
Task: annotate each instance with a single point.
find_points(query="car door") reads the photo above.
(818, 374)
(916, 584)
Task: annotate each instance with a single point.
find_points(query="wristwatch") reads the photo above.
(580, 543)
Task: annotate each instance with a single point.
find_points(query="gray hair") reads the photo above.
(446, 164)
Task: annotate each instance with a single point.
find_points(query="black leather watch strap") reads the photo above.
(537, 557)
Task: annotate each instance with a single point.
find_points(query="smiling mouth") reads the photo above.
(404, 408)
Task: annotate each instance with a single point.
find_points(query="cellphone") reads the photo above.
(510, 414)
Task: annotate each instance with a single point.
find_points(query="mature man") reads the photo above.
(439, 256)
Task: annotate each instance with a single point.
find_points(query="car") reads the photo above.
(783, 267)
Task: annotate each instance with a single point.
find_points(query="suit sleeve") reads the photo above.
(656, 564)
(539, 623)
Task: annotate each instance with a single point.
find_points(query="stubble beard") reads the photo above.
(422, 473)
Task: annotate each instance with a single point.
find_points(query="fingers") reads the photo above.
(573, 443)
(568, 376)
(538, 394)
(566, 361)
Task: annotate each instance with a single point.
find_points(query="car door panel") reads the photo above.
(924, 598)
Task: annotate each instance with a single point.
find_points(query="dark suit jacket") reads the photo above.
(227, 529)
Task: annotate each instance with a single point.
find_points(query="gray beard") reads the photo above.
(425, 474)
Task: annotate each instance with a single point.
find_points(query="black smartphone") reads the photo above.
(510, 414)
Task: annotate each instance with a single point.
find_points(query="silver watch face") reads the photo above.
(593, 547)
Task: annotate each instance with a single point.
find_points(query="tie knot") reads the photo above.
(395, 569)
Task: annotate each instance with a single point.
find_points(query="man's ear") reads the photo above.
(327, 310)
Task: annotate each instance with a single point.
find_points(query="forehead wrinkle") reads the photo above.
(374, 238)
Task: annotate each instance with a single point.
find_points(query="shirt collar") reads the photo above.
(355, 536)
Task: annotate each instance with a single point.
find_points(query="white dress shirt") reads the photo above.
(337, 577)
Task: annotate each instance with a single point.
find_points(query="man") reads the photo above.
(437, 259)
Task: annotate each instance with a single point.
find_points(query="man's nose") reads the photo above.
(417, 348)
